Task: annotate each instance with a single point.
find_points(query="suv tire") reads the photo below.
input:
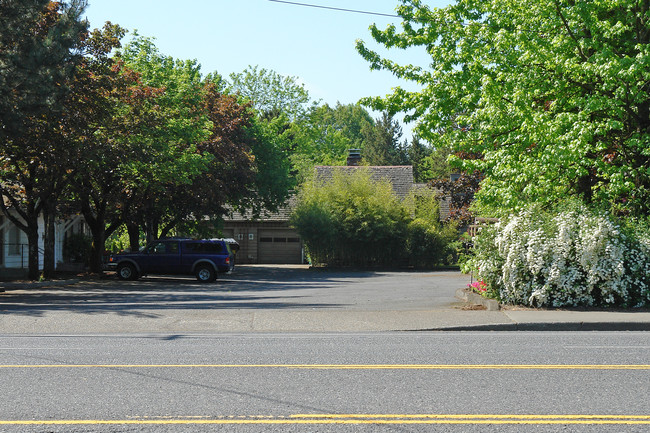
(126, 271)
(205, 274)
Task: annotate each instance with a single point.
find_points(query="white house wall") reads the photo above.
(20, 260)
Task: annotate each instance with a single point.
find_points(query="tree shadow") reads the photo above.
(247, 288)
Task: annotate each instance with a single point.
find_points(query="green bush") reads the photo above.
(572, 258)
(354, 221)
(429, 245)
(76, 248)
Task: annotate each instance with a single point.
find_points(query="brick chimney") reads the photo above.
(354, 157)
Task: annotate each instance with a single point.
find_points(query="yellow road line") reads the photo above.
(366, 419)
(356, 366)
(473, 416)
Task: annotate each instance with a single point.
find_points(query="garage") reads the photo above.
(279, 246)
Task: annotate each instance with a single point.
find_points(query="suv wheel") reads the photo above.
(205, 273)
(126, 271)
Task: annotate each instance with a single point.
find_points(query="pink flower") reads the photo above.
(478, 286)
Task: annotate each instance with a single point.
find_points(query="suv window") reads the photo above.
(203, 247)
(163, 248)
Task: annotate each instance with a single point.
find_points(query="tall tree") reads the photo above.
(418, 155)
(170, 158)
(325, 134)
(554, 95)
(39, 50)
(112, 118)
(270, 93)
(384, 146)
(210, 152)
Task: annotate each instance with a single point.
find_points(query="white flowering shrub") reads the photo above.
(575, 258)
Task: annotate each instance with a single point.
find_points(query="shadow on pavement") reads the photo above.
(246, 288)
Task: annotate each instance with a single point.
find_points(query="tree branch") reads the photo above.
(568, 29)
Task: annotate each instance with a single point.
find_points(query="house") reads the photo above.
(269, 239)
(266, 238)
(14, 246)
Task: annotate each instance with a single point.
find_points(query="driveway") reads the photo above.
(253, 298)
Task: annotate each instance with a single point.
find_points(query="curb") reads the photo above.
(476, 299)
(552, 327)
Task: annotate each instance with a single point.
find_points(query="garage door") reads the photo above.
(279, 246)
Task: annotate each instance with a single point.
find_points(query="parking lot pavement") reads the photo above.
(276, 299)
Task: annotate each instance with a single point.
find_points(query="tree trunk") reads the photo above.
(49, 218)
(96, 220)
(97, 250)
(134, 236)
(32, 248)
(151, 229)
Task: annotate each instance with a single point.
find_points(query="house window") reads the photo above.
(14, 241)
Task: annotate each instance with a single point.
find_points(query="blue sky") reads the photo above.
(314, 45)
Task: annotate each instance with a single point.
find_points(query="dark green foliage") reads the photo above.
(76, 248)
(418, 155)
(384, 146)
(37, 52)
(40, 44)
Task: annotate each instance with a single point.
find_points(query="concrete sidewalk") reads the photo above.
(521, 318)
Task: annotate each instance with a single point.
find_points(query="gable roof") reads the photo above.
(282, 214)
(399, 176)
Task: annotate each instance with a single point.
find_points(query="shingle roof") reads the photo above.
(280, 215)
(399, 176)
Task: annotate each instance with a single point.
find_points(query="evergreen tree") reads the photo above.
(39, 51)
(383, 146)
(417, 153)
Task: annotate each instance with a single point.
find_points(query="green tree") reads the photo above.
(554, 95)
(270, 93)
(112, 117)
(169, 158)
(352, 220)
(436, 165)
(210, 151)
(325, 134)
(272, 182)
(38, 41)
(39, 50)
(419, 155)
(383, 147)
(352, 120)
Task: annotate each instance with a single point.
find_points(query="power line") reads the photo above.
(335, 9)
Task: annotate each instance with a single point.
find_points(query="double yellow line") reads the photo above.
(363, 419)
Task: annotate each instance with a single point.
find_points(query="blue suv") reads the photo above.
(203, 258)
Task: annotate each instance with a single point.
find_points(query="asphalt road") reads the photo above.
(406, 382)
(292, 350)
